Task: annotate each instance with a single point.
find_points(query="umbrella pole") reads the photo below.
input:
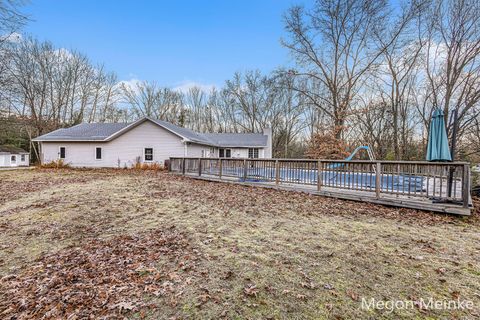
(452, 152)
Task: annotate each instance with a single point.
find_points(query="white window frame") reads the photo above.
(13, 158)
(144, 154)
(253, 153)
(225, 152)
(60, 152)
(23, 157)
(95, 153)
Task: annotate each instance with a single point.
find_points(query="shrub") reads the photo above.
(148, 166)
(326, 145)
(55, 164)
(152, 166)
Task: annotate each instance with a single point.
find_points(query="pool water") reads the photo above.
(366, 181)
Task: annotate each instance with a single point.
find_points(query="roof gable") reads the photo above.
(184, 132)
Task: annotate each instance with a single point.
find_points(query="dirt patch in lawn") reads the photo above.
(259, 253)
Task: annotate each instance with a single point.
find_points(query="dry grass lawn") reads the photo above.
(117, 243)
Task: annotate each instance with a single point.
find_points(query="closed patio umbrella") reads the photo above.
(438, 149)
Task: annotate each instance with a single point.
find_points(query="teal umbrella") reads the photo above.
(438, 149)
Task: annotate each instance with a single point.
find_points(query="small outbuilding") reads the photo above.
(11, 156)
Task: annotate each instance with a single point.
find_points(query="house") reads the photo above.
(11, 156)
(120, 145)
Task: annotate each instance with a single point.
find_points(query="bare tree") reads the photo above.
(289, 121)
(397, 79)
(142, 98)
(146, 99)
(195, 101)
(335, 45)
(452, 59)
(11, 20)
(56, 87)
(254, 98)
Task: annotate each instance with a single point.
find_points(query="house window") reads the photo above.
(148, 154)
(22, 158)
(62, 152)
(253, 152)
(13, 158)
(98, 153)
(224, 153)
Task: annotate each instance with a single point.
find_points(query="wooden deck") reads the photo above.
(437, 187)
(362, 196)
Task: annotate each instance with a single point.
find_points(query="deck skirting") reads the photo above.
(353, 195)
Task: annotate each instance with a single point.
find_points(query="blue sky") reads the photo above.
(170, 42)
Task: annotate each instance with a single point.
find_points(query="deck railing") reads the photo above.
(438, 181)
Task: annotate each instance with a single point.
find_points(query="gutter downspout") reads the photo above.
(185, 148)
(268, 150)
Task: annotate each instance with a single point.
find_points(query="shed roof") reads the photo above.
(11, 149)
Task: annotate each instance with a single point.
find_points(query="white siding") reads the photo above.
(195, 150)
(122, 151)
(6, 160)
(25, 162)
(267, 152)
(242, 152)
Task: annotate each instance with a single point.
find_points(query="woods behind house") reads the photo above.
(362, 73)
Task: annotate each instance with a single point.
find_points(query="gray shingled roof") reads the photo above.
(184, 132)
(238, 139)
(83, 132)
(102, 131)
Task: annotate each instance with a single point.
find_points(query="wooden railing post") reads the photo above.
(183, 166)
(466, 186)
(319, 175)
(199, 167)
(220, 169)
(378, 181)
(245, 170)
(277, 172)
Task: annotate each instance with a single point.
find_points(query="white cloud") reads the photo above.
(14, 37)
(437, 53)
(184, 86)
(131, 84)
(63, 53)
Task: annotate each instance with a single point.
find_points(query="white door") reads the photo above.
(13, 160)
